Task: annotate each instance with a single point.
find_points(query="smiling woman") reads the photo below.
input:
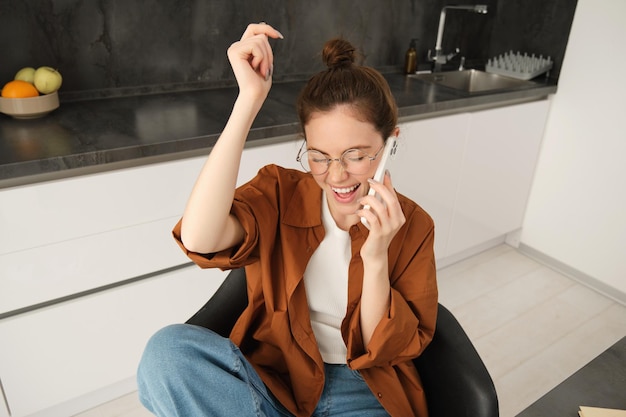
(347, 108)
(336, 133)
(300, 348)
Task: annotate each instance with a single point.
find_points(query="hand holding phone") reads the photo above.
(390, 150)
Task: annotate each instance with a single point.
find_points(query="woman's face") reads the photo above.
(332, 133)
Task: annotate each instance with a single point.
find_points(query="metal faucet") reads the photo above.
(440, 57)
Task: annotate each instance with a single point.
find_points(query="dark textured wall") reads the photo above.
(114, 44)
(540, 27)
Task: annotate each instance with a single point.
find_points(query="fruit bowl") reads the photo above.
(31, 107)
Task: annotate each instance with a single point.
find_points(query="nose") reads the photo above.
(336, 169)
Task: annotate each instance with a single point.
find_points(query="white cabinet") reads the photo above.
(472, 172)
(84, 279)
(428, 167)
(66, 237)
(498, 166)
(54, 361)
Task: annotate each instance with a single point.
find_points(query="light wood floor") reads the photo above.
(532, 326)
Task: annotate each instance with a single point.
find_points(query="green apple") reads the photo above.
(47, 80)
(26, 74)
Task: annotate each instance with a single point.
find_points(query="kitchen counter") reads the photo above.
(95, 135)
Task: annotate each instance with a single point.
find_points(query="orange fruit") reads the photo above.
(19, 89)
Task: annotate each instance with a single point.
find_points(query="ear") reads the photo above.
(396, 131)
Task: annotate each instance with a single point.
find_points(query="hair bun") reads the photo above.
(338, 53)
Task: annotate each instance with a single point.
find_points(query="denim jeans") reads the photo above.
(191, 371)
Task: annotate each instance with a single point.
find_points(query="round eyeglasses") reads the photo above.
(353, 161)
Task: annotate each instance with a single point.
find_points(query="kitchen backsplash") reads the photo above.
(125, 44)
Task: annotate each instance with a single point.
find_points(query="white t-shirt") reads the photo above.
(326, 283)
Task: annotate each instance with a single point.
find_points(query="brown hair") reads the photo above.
(345, 82)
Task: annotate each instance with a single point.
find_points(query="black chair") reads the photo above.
(455, 380)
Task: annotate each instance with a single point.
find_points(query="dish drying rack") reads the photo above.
(518, 66)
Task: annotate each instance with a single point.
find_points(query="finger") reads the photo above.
(259, 51)
(372, 219)
(387, 179)
(268, 63)
(261, 56)
(386, 190)
(255, 52)
(265, 30)
(382, 190)
(392, 208)
(388, 207)
(254, 29)
(372, 204)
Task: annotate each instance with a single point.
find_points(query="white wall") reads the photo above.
(577, 208)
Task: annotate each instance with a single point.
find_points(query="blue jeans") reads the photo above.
(191, 371)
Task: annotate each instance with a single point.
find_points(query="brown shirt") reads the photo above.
(280, 210)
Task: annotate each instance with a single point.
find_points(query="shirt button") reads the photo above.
(380, 395)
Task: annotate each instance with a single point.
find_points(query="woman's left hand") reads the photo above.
(384, 217)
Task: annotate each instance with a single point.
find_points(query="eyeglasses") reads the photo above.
(353, 161)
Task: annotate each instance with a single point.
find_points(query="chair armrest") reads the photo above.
(455, 379)
(225, 306)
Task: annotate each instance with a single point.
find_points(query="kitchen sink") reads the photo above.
(472, 81)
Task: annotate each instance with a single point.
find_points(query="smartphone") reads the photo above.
(391, 147)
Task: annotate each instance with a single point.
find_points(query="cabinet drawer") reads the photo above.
(57, 211)
(55, 355)
(45, 273)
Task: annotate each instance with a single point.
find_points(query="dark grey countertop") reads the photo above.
(95, 135)
(600, 383)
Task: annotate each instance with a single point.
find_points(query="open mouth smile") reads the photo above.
(345, 194)
(346, 190)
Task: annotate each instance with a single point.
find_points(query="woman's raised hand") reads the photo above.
(207, 224)
(252, 60)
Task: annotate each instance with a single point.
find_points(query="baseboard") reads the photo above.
(574, 274)
(91, 400)
(475, 250)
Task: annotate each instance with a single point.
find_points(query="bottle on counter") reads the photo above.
(410, 60)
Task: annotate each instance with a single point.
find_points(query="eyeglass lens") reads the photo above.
(353, 161)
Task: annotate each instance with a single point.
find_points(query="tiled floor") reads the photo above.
(532, 326)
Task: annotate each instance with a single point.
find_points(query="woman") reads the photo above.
(336, 311)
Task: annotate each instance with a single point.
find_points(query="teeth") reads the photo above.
(345, 190)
